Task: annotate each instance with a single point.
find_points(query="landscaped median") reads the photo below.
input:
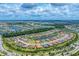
(76, 54)
(18, 49)
(2, 53)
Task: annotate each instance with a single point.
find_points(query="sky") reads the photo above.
(39, 11)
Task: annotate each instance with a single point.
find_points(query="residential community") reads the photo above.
(42, 38)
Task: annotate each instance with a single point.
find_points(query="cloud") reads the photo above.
(58, 4)
(27, 6)
(39, 11)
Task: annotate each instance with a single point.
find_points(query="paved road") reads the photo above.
(1, 47)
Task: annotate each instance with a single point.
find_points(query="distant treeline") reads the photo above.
(17, 33)
(60, 26)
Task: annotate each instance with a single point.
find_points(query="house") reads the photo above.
(38, 46)
(45, 45)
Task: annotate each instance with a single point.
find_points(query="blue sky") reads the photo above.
(39, 11)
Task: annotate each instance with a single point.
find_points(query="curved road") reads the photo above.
(2, 49)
